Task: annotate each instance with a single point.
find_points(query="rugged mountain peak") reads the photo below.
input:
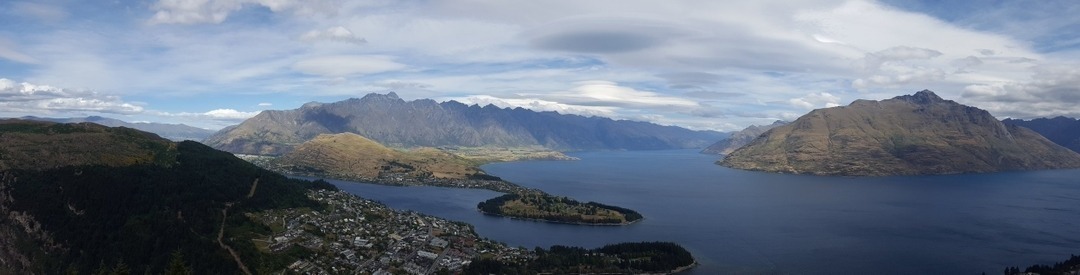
(923, 97)
(907, 135)
(311, 105)
(741, 138)
(375, 97)
(394, 122)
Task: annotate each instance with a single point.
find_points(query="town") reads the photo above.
(354, 235)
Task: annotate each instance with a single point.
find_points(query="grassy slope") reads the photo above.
(351, 156)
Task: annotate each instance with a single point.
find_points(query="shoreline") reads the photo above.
(685, 268)
(558, 222)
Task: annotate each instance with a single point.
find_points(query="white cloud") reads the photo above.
(265, 104)
(230, 115)
(216, 11)
(1052, 90)
(346, 65)
(337, 34)
(27, 98)
(40, 11)
(539, 105)
(816, 100)
(607, 93)
(8, 51)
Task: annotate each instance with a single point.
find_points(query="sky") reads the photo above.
(706, 65)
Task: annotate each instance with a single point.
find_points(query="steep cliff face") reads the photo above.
(906, 135)
(740, 138)
(394, 122)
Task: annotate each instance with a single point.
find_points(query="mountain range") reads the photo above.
(907, 135)
(1061, 130)
(394, 122)
(739, 139)
(176, 132)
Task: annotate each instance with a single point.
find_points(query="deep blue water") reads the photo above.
(737, 221)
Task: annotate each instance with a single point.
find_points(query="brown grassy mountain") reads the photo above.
(426, 123)
(351, 156)
(40, 145)
(906, 135)
(740, 139)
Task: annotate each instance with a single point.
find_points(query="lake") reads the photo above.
(737, 221)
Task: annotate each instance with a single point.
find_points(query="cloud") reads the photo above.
(337, 34)
(607, 93)
(712, 94)
(346, 65)
(29, 98)
(39, 11)
(816, 100)
(216, 11)
(1053, 90)
(539, 105)
(874, 61)
(8, 51)
(227, 115)
(603, 35)
(265, 104)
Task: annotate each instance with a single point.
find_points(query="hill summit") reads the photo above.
(907, 135)
(351, 156)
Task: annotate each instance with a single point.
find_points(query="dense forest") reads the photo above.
(557, 209)
(642, 257)
(141, 217)
(1070, 266)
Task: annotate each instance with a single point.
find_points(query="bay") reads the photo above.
(737, 221)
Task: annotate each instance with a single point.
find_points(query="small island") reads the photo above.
(548, 208)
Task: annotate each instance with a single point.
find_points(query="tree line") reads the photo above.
(636, 257)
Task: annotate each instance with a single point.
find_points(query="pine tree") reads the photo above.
(177, 266)
(121, 269)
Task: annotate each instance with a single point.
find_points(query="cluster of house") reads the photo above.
(353, 235)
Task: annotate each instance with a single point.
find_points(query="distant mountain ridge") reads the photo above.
(1061, 130)
(740, 139)
(175, 132)
(916, 134)
(394, 122)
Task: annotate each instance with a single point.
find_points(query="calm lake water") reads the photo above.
(737, 221)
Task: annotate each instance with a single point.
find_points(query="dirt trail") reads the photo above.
(221, 234)
(221, 230)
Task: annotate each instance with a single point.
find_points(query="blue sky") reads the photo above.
(720, 65)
